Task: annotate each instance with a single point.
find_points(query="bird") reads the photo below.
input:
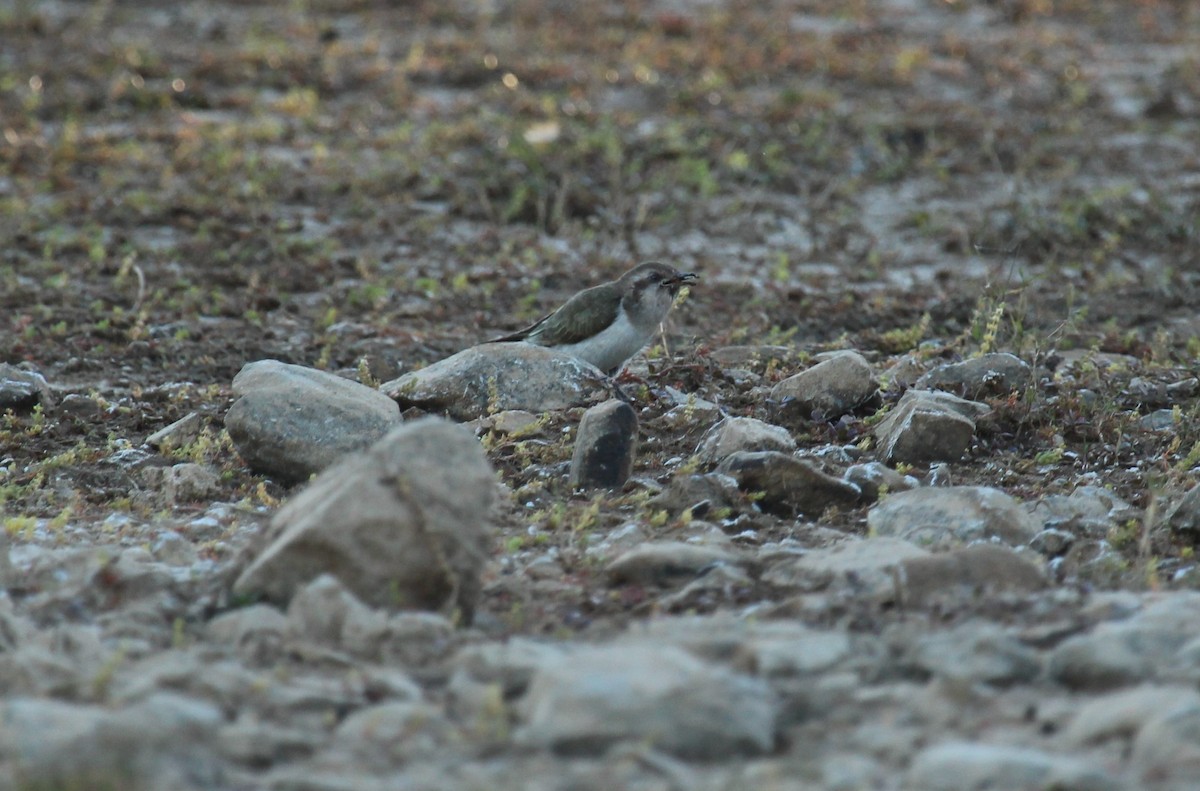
(606, 325)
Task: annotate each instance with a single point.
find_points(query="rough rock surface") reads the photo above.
(995, 374)
(945, 515)
(22, 389)
(586, 700)
(831, 387)
(788, 484)
(927, 426)
(605, 445)
(291, 421)
(735, 434)
(500, 376)
(403, 524)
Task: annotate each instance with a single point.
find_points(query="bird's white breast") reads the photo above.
(612, 346)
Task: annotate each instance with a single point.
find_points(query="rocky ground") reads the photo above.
(907, 506)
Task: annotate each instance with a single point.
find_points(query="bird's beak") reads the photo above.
(684, 277)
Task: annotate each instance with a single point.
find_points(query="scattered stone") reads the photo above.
(404, 524)
(1116, 655)
(966, 766)
(21, 389)
(927, 426)
(1159, 420)
(735, 434)
(995, 374)
(789, 485)
(947, 515)
(1122, 714)
(499, 376)
(257, 632)
(1052, 542)
(187, 483)
(1168, 746)
(584, 702)
(80, 406)
(830, 388)
(390, 734)
(875, 477)
(177, 435)
(970, 572)
(160, 742)
(701, 494)
(786, 656)
(689, 410)
(977, 653)
(1089, 510)
(605, 445)
(291, 422)
(173, 549)
(326, 613)
(864, 568)
(1185, 515)
(664, 562)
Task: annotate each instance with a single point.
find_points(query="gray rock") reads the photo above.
(1052, 542)
(998, 373)
(257, 744)
(178, 434)
(605, 445)
(1159, 420)
(257, 632)
(1116, 655)
(1184, 516)
(589, 699)
(970, 572)
(21, 389)
(864, 568)
(689, 410)
(788, 656)
(831, 388)
(966, 766)
(664, 562)
(291, 421)
(1122, 714)
(510, 665)
(947, 515)
(188, 482)
(404, 524)
(81, 407)
(735, 434)
(928, 426)
(326, 613)
(874, 477)
(160, 742)
(498, 376)
(1168, 746)
(393, 733)
(789, 485)
(977, 653)
(700, 493)
(1089, 510)
(173, 549)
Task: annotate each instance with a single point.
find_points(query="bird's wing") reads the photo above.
(566, 325)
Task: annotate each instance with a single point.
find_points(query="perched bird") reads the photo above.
(608, 324)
